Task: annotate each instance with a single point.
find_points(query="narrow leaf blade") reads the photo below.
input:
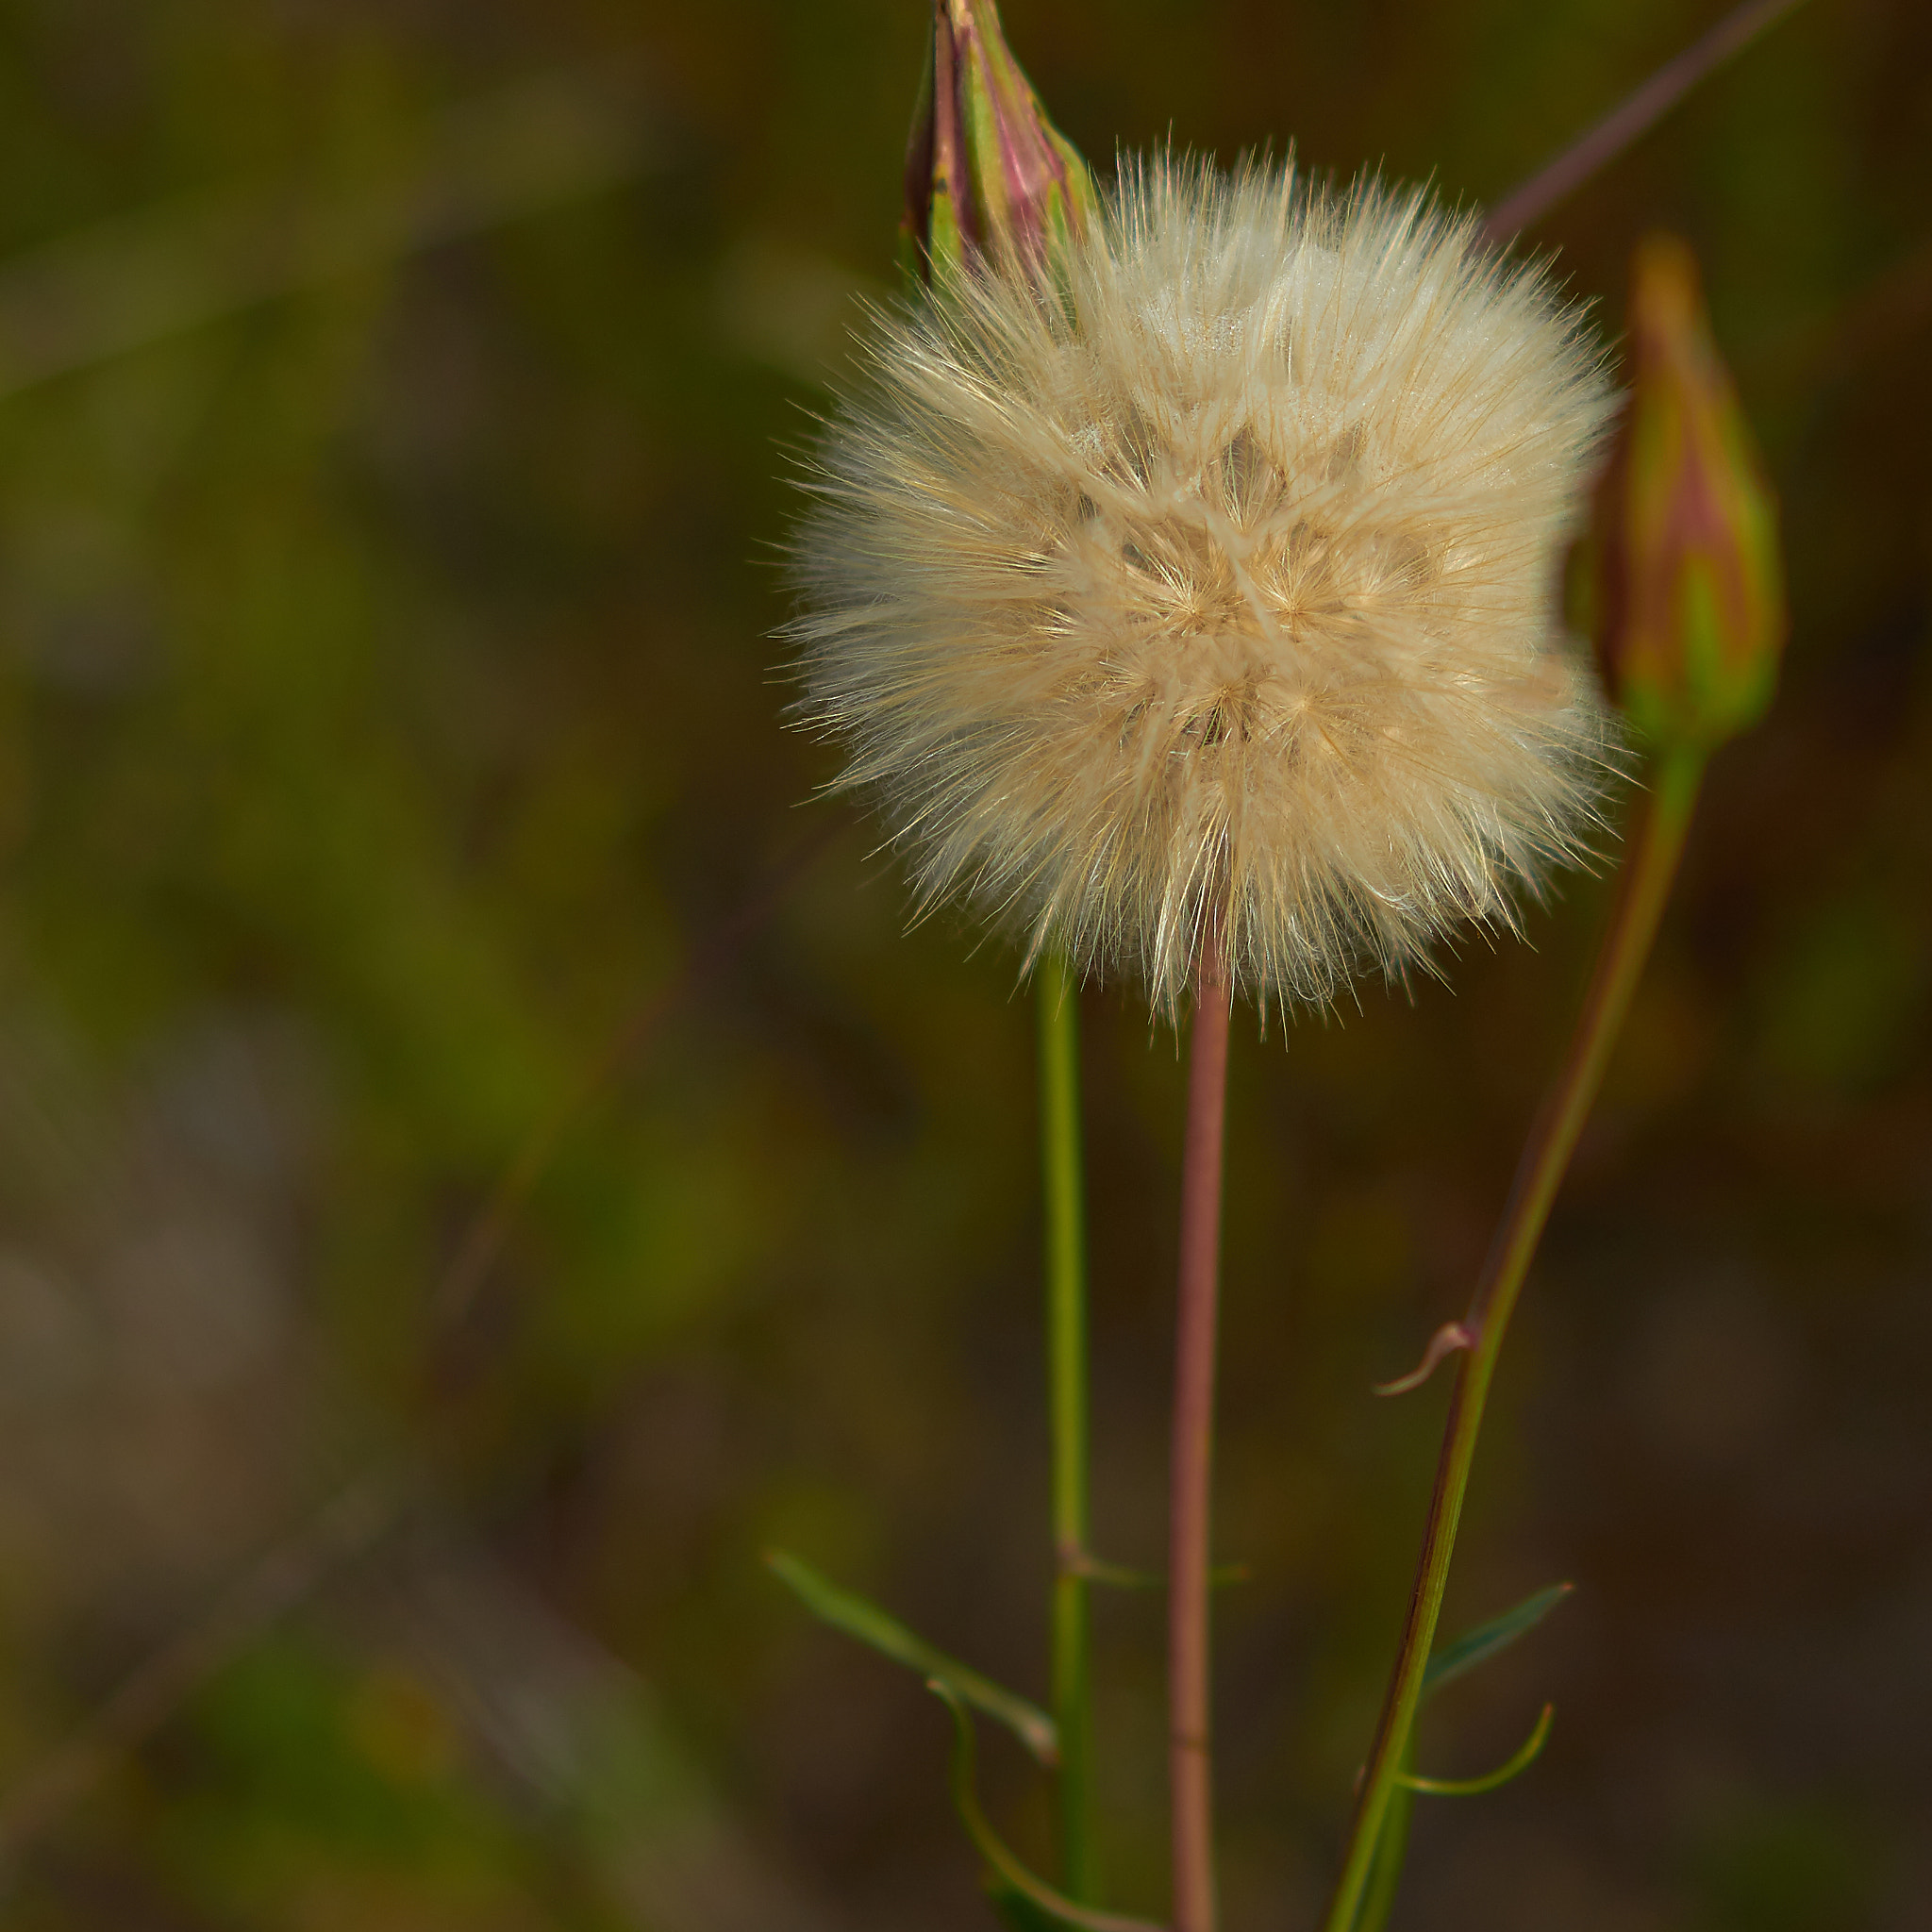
(1479, 1646)
(845, 1610)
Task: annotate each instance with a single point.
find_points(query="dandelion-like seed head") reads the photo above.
(1212, 580)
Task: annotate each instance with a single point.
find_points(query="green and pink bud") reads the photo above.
(1681, 570)
(989, 178)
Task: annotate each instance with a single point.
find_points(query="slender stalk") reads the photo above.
(1058, 998)
(1646, 882)
(1633, 117)
(1188, 1766)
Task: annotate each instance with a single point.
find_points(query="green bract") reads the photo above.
(1681, 570)
(988, 176)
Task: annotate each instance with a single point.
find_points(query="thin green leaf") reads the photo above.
(1012, 1875)
(1454, 1661)
(871, 1625)
(1477, 1646)
(1474, 1787)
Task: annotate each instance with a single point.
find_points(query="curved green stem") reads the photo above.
(1650, 863)
(1058, 995)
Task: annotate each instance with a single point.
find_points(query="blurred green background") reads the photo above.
(394, 401)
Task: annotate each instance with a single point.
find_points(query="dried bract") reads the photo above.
(1217, 581)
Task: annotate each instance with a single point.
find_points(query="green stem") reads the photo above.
(1648, 869)
(1058, 1000)
(1392, 1848)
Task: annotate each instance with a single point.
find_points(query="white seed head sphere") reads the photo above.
(1217, 584)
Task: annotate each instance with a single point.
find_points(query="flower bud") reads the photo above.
(988, 176)
(1681, 573)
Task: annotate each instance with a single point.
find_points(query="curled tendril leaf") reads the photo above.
(1451, 1661)
(1051, 1908)
(1474, 1787)
(1448, 1339)
(1018, 1911)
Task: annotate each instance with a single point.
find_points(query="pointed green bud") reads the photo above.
(989, 178)
(1681, 573)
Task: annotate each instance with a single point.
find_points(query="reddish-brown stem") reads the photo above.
(1189, 1772)
(1632, 118)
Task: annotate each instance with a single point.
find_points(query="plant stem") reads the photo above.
(1385, 1875)
(1631, 119)
(1059, 1006)
(1188, 1768)
(1648, 869)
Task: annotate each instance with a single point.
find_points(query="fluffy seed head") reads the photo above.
(1215, 581)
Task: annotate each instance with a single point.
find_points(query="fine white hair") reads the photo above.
(1212, 578)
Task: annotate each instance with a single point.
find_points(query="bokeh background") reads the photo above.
(394, 795)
